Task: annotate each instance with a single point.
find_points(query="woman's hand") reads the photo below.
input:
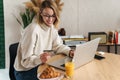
(44, 57)
(71, 53)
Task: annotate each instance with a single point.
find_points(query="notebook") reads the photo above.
(84, 53)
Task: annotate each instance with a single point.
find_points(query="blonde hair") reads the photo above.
(50, 4)
(38, 5)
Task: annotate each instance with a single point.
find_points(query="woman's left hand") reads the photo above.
(71, 53)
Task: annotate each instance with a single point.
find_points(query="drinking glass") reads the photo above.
(69, 67)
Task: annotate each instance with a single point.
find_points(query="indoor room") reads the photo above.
(82, 22)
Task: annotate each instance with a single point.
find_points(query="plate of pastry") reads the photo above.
(50, 73)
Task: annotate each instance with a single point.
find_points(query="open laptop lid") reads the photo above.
(85, 52)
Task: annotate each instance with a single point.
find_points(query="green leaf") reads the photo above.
(26, 17)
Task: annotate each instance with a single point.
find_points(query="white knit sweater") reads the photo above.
(34, 40)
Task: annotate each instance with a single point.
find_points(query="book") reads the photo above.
(73, 40)
(118, 37)
(73, 37)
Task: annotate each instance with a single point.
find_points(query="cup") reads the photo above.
(69, 67)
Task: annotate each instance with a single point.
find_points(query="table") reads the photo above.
(106, 69)
(109, 45)
(71, 42)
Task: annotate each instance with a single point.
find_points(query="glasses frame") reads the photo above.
(48, 16)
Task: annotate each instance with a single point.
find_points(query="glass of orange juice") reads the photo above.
(69, 67)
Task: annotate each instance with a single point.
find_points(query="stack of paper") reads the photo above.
(73, 40)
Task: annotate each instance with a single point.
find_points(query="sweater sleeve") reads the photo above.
(29, 58)
(58, 45)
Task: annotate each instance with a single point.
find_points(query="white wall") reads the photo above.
(69, 17)
(98, 15)
(83, 16)
(12, 28)
(78, 17)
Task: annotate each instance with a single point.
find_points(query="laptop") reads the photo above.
(84, 53)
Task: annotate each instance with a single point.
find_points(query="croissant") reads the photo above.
(49, 72)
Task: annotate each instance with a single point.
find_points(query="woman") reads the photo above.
(39, 36)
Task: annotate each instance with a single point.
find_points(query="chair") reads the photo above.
(62, 32)
(13, 52)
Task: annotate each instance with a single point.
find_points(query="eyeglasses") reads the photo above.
(49, 16)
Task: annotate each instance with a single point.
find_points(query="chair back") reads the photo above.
(13, 52)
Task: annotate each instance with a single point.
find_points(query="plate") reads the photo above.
(57, 78)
